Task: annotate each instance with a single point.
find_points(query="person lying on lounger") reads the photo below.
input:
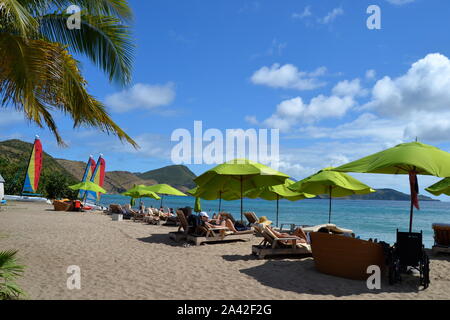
(299, 233)
(218, 222)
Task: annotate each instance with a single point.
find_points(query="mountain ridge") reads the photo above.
(179, 176)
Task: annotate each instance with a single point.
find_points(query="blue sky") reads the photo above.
(337, 90)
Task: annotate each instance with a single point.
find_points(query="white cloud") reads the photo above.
(305, 13)
(366, 127)
(349, 88)
(294, 111)
(331, 16)
(424, 88)
(252, 120)
(400, 2)
(288, 76)
(371, 74)
(412, 105)
(141, 96)
(431, 127)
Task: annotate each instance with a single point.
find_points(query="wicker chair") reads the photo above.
(61, 205)
(441, 238)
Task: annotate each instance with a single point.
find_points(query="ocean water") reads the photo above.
(368, 219)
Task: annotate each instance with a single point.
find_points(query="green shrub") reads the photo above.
(9, 272)
(56, 186)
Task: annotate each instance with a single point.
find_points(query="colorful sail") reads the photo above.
(98, 178)
(88, 173)
(31, 183)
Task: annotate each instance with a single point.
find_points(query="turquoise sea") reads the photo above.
(368, 219)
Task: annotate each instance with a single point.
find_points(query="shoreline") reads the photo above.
(133, 261)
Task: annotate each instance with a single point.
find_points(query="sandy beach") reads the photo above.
(128, 260)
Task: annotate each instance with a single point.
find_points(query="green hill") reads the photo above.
(177, 176)
(14, 157)
(18, 152)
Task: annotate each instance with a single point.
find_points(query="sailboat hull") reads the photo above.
(26, 199)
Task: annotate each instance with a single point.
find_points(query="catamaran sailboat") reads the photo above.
(33, 174)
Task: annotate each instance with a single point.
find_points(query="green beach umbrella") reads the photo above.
(439, 188)
(209, 193)
(88, 186)
(138, 192)
(334, 184)
(408, 158)
(165, 189)
(197, 205)
(240, 175)
(278, 192)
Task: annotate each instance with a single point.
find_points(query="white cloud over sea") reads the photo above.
(354, 120)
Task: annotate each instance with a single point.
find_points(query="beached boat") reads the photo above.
(32, 176)
(344, 256)
(27, 199)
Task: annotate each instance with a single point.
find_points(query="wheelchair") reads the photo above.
(409, 252)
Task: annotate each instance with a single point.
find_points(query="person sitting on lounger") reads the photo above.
(141, 208)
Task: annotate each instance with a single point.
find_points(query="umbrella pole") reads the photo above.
(85, 198)
(278, 206)
(242, 210)
(162, 196)
(220, 202)
(411, 215)
(329, 211)
(411, 212)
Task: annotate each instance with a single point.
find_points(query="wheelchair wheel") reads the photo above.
(394, 272)
(425, 271)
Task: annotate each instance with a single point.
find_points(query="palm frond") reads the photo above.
(41, 76)
(9, 271)
(116, 8)
(103, 39)
(16, 18)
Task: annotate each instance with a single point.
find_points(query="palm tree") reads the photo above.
(9, 271)
(39, 75)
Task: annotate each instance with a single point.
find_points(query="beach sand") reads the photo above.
(130, 260)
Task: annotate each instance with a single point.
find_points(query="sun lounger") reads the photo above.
(150, 219)
(274, 246)
(183, 228)
(219, 234)
(441, 238)
(345, 257)
(135, 215)
(251, 217)
(329, 228)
